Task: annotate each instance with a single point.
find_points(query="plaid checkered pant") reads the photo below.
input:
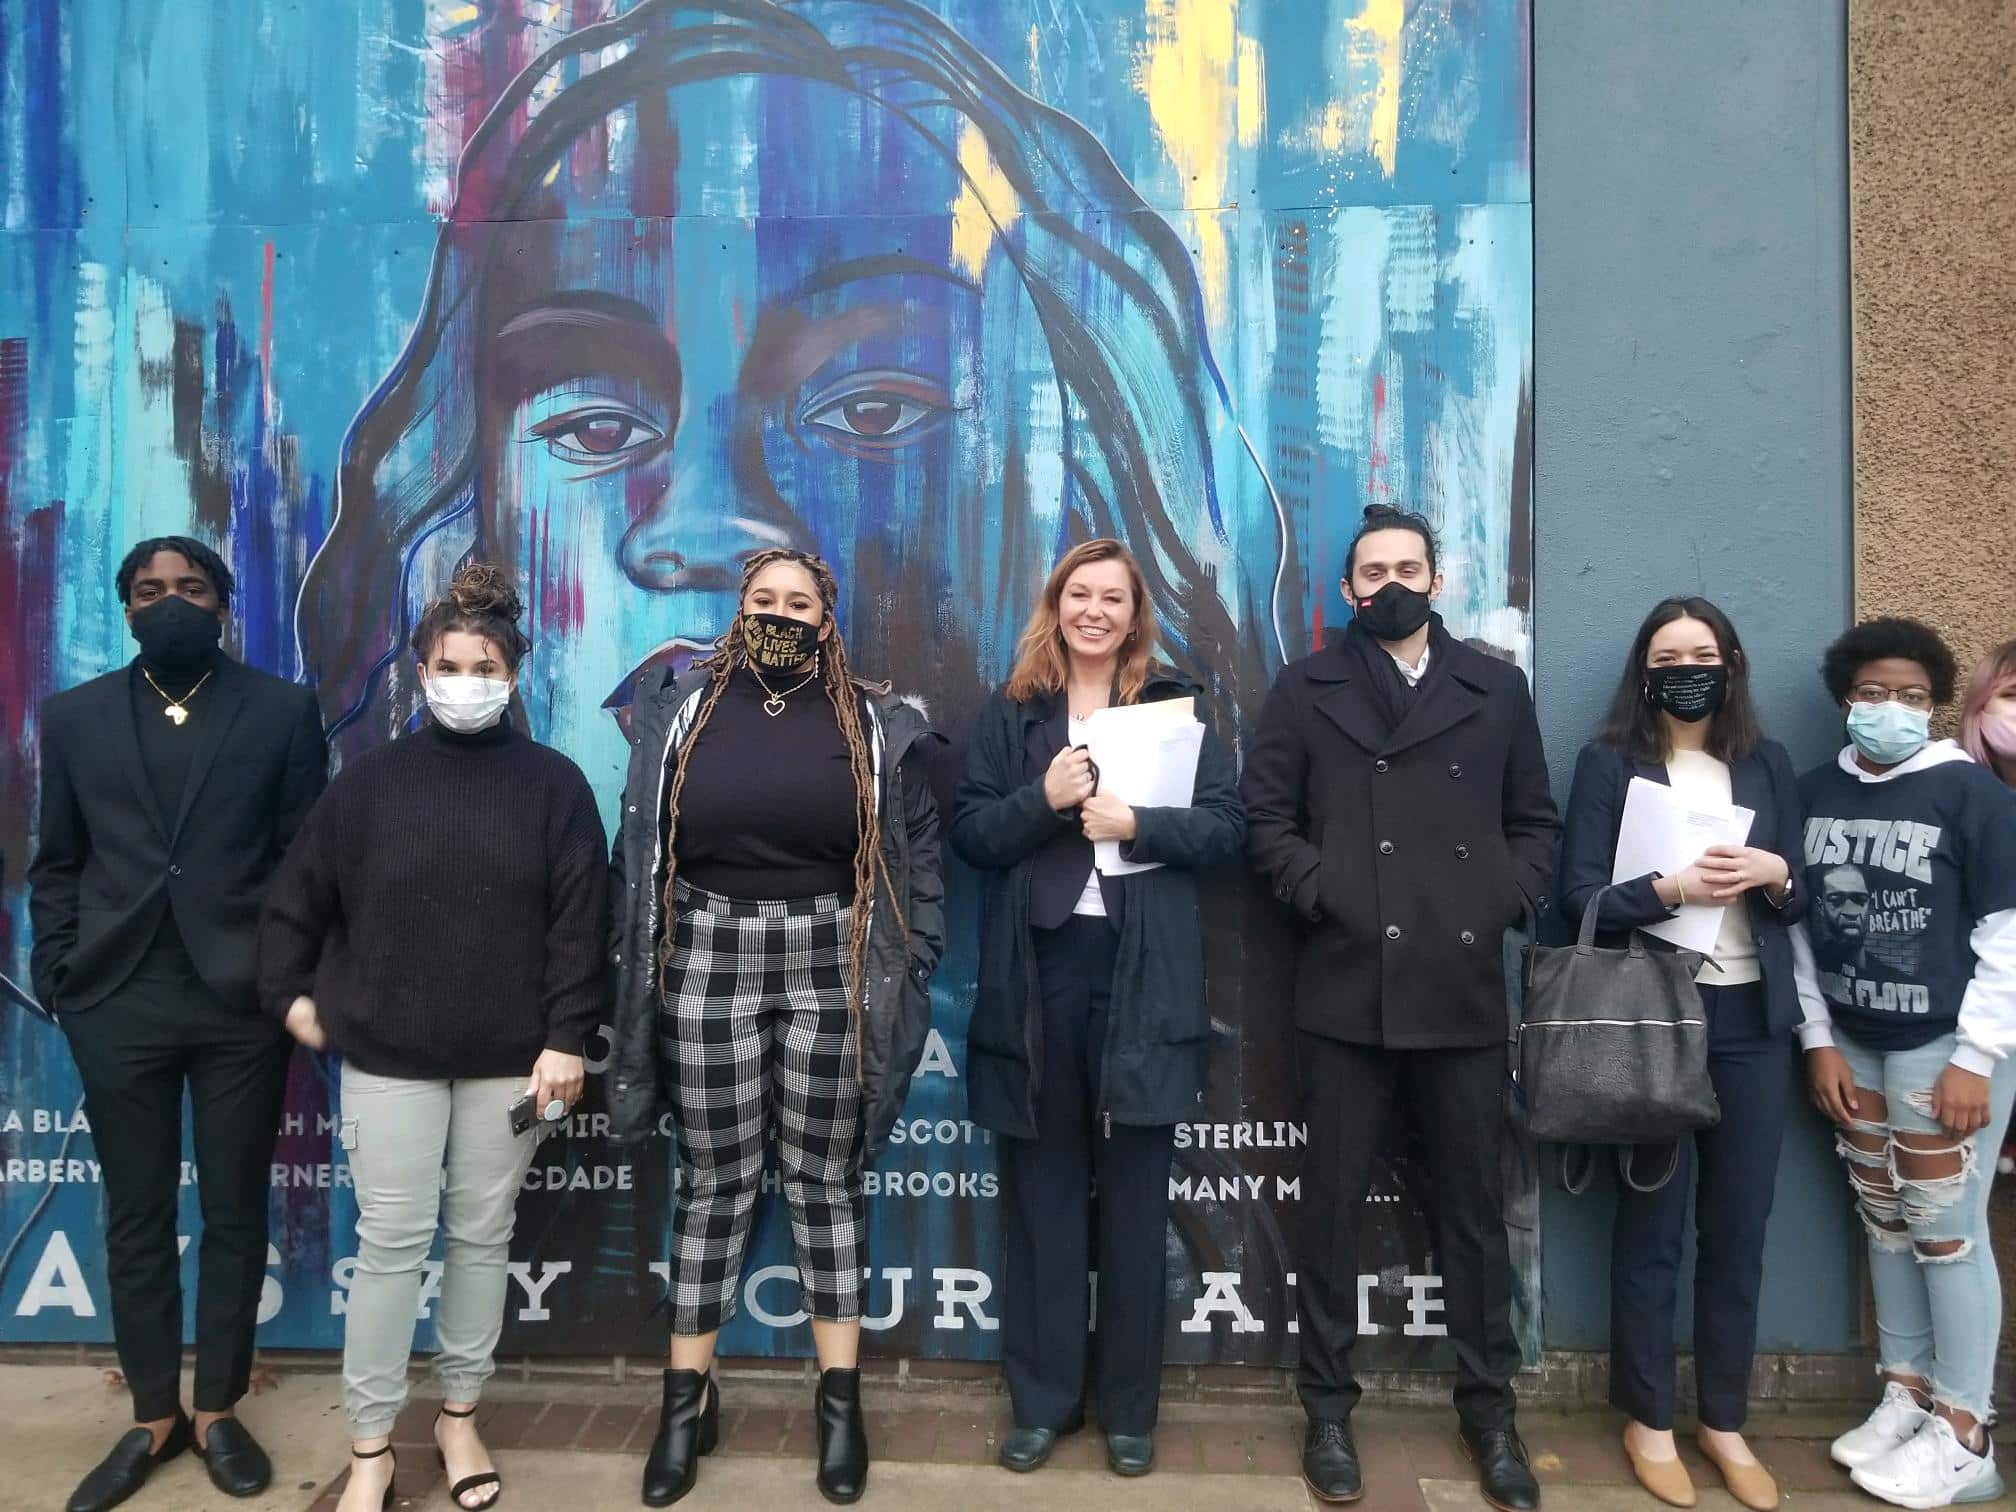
(756, 1027)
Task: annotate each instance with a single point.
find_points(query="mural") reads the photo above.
(618, 293)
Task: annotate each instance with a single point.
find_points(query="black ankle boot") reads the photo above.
(689, 1425)
(843, 1442)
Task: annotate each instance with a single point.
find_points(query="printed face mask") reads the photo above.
(1888, 733)
(174, 633)
(1394, 612)
(467, 704)
(776, 642)
(1689, 694)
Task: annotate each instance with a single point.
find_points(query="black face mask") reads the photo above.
(1689, 694)
(1393, 613)
(175, 634)
(777, 642)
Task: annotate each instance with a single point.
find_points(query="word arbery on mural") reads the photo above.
(614, 294)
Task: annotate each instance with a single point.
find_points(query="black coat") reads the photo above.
(106, 861)
(1405, 854)
(1158, 1024)
(896, 1011)
(1762, 781)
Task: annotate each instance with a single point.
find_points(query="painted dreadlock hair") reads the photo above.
(844, 690)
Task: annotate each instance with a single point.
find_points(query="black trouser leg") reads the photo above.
(1457, 1095)
(1133, 1218)
(131, 1063)
(237, 1069)
(1347, 1098)
(1734, 1171)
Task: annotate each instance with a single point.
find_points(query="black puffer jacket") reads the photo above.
(1158, 1024)
(896, 1015)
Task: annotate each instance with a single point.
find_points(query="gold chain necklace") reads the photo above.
(774, 704)
(176, 713)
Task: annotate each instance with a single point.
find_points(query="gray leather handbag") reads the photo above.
(1613, 1049)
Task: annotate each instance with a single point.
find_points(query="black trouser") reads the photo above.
(1732, 1170)
(134, 1051)
(1456, 1099)
(1048, 1216)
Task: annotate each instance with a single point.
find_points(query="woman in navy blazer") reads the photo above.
(1682, 716)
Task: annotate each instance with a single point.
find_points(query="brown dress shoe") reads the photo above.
(1751, 1485)
(1666, 1479)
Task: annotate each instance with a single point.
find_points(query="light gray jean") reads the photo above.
(427, 1154)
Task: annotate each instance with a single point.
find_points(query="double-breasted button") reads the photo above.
(1392, 931)
(1385, 847)
(1381, 766)
(174, 871)
(1455, 769)
(1462, 853)
(1468, 938)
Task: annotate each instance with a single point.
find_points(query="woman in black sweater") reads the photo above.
(1682, 717)
(440, 922)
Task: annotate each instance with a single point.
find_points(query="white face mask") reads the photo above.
(468, 704)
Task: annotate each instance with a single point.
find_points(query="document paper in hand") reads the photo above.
(1147, 758)
(1663, 833)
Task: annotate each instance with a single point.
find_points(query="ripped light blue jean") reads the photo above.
(1938, 1298)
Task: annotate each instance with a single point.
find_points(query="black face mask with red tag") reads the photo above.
(1690, 693)
(1393, 613)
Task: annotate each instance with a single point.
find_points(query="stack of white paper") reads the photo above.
(1662, 832)
(1147, 758)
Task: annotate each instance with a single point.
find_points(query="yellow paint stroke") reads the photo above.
(1374, 47)
(1186, 71)
(986, 205)
(1252, 93)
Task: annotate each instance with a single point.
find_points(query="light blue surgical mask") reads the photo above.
(1888, 733)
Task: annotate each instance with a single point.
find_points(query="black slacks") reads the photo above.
(1349, 1095)
(135, 1051)
(1049, 1217)
(1731, 1170)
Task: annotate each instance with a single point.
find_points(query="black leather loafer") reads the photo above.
(237, 1465)
(1130, 1453)
(126, 1468)
(1502, 1469)
(1027, 1449)
(1330, 1461)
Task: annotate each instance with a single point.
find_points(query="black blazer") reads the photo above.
(106, 863)
(1762, 782)
(1406, 854)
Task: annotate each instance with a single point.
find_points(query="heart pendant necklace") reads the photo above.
(176, 712)
(774, 704)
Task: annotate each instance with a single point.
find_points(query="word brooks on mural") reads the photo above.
(618, 293)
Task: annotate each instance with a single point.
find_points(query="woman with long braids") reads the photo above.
(777, 898)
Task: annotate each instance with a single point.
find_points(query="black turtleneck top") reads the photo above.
(443, 906)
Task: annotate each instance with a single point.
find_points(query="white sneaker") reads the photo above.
(1932, 1469)
(1897, 1417)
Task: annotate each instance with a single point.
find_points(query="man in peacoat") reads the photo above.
(1398, 803)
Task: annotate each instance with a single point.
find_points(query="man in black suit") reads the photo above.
(170, 790)
(1397, 802)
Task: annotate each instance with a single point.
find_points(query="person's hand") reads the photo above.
(1068, 782)
(556, 1074)
(1106, 818)
(1732, 870)
(1687, 886)
(305, 1025)
(1832, 1084)
(1960, 1101)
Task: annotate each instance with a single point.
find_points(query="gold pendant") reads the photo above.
(773, 706)
(177, 714)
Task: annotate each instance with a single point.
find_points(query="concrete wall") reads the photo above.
(1692, 434)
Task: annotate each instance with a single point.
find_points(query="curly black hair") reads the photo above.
(199, 556)
(1386, 517)
(1881, 639)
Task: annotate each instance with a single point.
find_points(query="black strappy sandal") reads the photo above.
(379, 1453)
(468, 1483)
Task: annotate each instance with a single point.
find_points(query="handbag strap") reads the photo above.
(1578, 1168)
(1624, 1154)
(1573, 1155)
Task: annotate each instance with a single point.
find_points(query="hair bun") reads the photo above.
(481, 588)
(1377, 513)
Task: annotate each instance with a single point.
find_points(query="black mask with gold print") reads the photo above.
(777, 642)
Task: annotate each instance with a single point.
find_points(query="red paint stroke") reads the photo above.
(561, 597)
(1379, 489)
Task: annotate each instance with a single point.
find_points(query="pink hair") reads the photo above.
(1996, 673)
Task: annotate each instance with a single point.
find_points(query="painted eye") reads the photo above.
(876, 411)
(600, 434)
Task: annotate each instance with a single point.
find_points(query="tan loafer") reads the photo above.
(1666, 1479)
(1751, 1485)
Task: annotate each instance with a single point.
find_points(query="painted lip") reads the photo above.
(677, 655)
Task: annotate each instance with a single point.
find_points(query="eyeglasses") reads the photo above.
(1876, 693)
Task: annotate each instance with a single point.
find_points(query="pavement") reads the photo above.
(576, 1446)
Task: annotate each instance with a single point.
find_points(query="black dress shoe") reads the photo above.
(689, 1425)
(1330, 1461)
(1502, 1469)
(1027, 1449)
(1130, 1453)
(843, 1441)
(237, 1465)
(126, 1468)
